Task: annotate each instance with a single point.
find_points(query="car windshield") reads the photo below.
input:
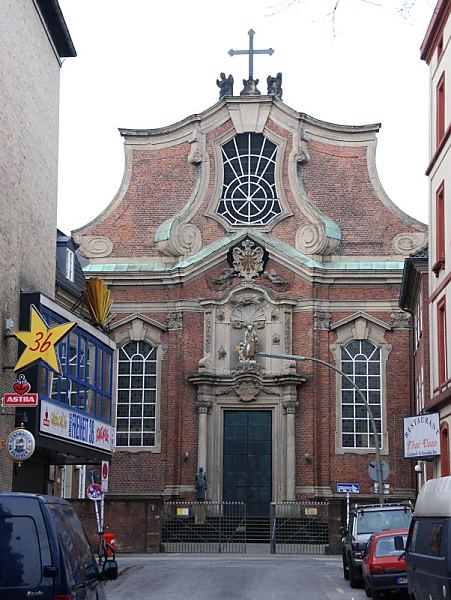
(371, 521)
(386, 546)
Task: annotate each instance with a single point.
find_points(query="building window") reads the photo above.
(439, 229)
(440, 48)
(361, 362)
(418, 320)
(85, 382)
(441, 341)
(249, 195)
(440, 110)
(419, 390)
(70, 264)
(444, 450)
(136, 394)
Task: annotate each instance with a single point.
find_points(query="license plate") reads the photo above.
(401, 580)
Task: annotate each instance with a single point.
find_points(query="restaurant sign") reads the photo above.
(422, 436)
(75, 427)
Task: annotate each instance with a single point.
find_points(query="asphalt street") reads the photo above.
(230, 577)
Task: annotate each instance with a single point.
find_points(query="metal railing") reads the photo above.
(299, 527)
(204, 527)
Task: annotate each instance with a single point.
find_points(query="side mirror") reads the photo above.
(109, 570)
(399, 542)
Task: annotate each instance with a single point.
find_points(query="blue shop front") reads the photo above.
(73, 422)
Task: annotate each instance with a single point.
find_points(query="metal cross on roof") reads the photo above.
(251, 52)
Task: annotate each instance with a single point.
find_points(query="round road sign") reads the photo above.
(372, 470)
(94, 491)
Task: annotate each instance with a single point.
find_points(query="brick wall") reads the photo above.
(136, 521)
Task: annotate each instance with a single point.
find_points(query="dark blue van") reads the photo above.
(44, 552)
(428, 548)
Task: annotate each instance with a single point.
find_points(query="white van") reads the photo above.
(428, 548)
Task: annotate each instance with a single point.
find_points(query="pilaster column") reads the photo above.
(203, 407)
(290, 411)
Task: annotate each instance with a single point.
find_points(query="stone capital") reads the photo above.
(203, 406)
(290, 407)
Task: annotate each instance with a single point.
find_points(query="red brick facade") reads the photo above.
(335, 259)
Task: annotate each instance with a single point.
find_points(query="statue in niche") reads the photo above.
(275, 85)
(225, 85)
(247, 348)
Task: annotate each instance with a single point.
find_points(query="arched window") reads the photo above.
(361, 361)
(249, 195)
(444, 450)
(136, 394)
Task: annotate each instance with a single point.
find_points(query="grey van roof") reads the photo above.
(434, 499)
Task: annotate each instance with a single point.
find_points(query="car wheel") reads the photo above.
(368, 591)
(345, 567)
(354, 580)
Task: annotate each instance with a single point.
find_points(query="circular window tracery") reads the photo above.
(249, 195)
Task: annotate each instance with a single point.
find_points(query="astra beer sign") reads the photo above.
(21, 395)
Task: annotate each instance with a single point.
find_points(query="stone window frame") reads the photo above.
(233, 156)
(361, 327)
(281, 143)
(372, 357)
(138, 328)
(149, 357)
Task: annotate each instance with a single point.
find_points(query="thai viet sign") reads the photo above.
(75, 427)
(422, 436)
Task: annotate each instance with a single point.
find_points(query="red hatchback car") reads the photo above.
(384, 567)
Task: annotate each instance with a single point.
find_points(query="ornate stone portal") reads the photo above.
(233, 376)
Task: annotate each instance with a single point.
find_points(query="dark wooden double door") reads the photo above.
(248, 459)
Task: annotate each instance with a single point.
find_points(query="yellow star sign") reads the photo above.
(40, 342)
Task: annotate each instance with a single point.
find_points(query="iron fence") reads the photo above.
(299, 527)
(204, 527)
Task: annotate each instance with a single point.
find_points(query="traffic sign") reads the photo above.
(94, 491)
(372, 470)
(348, 488)
(105, 475)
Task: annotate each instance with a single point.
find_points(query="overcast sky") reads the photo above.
(146, 64)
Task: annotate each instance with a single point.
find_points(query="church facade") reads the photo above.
(253, 228)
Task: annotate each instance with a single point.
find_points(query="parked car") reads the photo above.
(383, 566)
(44, 552)
(363, 521)
(428, 548)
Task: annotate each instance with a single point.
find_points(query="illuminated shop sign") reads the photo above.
(422, 436)
(75, 427)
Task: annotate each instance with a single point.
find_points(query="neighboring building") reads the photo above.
(436, 51)
(73, 423)
(413, 298)
(253, 227)
(34, 41)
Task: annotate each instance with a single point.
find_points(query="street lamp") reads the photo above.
(359, 391)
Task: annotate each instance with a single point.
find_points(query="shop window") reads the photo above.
(85, 380)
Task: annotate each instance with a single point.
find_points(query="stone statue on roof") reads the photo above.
(225, 85)
(275, 85)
